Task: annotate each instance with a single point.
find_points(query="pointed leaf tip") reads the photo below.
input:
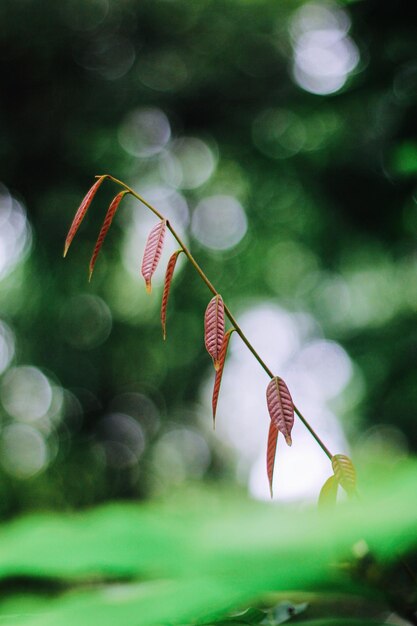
(280, 407)
(152, 252)
(271, 453)
(81, 211)
(219, 374)
(167, 286)
(328, 493)
(214, 328)
(111, 211)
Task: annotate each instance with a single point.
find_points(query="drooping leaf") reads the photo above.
(152, 253)
(167, 285)
(345, 472)
(214, 328)
(105, 227)
(80, 214)
(270, 452)
(219, 373)
(328, 493)
(280, 407)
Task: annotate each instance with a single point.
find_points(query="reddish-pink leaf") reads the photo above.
(214, 328)
(219, 373)
(167, 285)
(152, 254)
(105, 227)
(82, 210)
(270, 452)
(280, 407)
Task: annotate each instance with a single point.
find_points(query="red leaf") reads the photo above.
(219, 373)
(167, 285)
(214, 328)
(82, 210)
(280, 407)
(345, 472)
(270, 452)
(152, 252)
(105, 227)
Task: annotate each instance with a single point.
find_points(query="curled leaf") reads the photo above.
(328, 493)
(167, 285)
(280, 407)
(82, 210)
(219, 372)
(270, 452)
(344, 472)
(152, 252)
(214, 328)
(105, 227)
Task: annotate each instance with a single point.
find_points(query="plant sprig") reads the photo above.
(280, 404)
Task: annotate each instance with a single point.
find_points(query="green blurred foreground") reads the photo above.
(197, 557)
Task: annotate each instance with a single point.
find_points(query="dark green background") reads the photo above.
(354, 215)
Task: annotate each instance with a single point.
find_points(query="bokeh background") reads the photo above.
(280, 139)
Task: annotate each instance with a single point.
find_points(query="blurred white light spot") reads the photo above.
(6, 346)
(86, 15)
(24, 452)
(180, 454)
(110, 56)
(323, 53)
(187, 163)
(122, 439)
(278, 133)
(162, 71)
(327, 366)
(284, 340)
(15, 233)
(174, 207)
(26, 393)
(144, 132)
(219, 222)
(86, 322)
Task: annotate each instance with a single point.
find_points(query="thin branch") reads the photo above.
(227, 311)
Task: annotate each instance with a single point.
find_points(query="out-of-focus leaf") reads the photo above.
(81, 211)
(328, 493)
(219, 373)
(214, 328)
(280, 407)
(152, 252)
(214, 553)
(345, 472)
(167, 285)
(114, 205)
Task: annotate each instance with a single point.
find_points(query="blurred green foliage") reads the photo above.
(202, 554)
(326, 184)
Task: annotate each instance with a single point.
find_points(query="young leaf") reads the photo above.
(82, 210)
(328, 493)
(280, 407)
(270, 452)
(219, 373)
(105, 227)
(344, 472)
(167, 285)
(214, 328)
(152, 252)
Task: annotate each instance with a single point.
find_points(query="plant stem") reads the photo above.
(226, 308)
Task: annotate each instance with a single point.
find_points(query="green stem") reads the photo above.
(226, 308)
